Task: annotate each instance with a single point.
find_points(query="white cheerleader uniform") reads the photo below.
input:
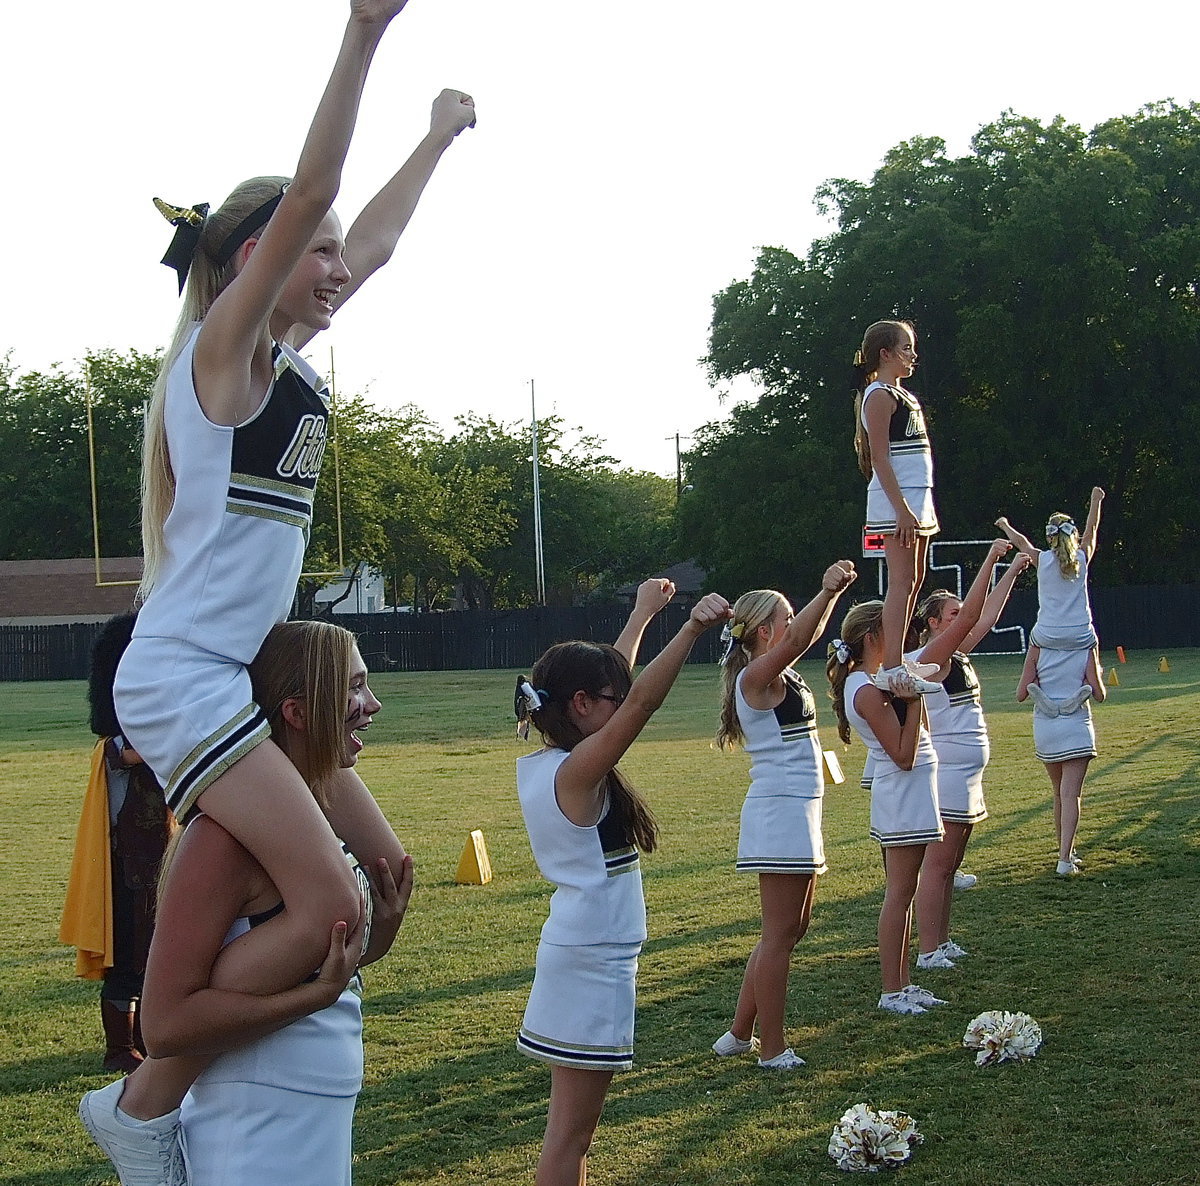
(960, 740)
(1064, 620)
(581, 1006)
(912, 463)
(781, 817)
(1062, 718)
(234, 544)
(904, 803)
(280, 1111)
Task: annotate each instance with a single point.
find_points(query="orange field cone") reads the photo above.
(1121, 654)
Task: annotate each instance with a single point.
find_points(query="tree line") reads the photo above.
(445, 516)
(1052, 276)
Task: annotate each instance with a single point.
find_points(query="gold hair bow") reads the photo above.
(188, 222)
(176, 215)
(858, 358)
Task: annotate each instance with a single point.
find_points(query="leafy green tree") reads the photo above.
(1052, 276)
(599, 524)
(45, 491)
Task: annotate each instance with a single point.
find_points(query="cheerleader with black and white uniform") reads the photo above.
(768, 708)
(904, 805)
(235, 435)
(960, 740)
(892, 443)
(587, 827)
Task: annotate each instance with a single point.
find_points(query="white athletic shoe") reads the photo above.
(922, 996)
(788, 1060)
(886, 679)
(900, 1002)
(953, 950)
(727, 1045)
(936, 958)
(145, 1152)
(963, 881)
(920, 670)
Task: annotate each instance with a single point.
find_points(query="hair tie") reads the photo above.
(841, 649)
(254, 221)
(188, 222)
(858, 357)
(731, 635)
(1063, 528)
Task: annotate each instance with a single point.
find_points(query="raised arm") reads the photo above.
(578, 784)
(234, 326)
(211, 882)
(938, 650)
(376, 231)
(652, 597)
(1017, 539)
(803, 630)
(993, 607)
(1087, 541)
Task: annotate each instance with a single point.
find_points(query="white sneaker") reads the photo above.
(953, 950)
(727, 1045)
(922, 996)
(900, 1002)
(788, 1060)
(145, 1152)
(886, 679)
(920, 670)
(936, 958)
(964, 881)
(1067, 868)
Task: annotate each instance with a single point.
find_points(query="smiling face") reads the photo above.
(310, 294)
(361, 708)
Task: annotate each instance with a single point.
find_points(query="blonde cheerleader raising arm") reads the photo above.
(1062, 581)
(768, 709)
(234, 438)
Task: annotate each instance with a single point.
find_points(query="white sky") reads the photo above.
(630, 159)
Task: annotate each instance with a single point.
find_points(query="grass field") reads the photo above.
(1106, 962)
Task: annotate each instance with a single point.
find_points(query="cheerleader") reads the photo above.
(894, 453)
(768, 709)
(587, 827)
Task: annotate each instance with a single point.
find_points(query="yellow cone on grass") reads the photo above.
(1112, 680)
(833, 767)
(474, 868)
(1163, 665)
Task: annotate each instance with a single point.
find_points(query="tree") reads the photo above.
(1052, 277)
(45, 491)
(598, 523)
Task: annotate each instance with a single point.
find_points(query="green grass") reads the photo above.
(1105, 962)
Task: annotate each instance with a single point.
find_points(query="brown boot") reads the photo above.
(119, 1053)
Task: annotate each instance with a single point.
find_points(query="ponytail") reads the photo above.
(750, 611)
(846, 655)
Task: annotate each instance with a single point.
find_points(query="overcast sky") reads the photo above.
(630, 159)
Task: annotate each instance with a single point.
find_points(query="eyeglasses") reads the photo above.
(618, 700)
